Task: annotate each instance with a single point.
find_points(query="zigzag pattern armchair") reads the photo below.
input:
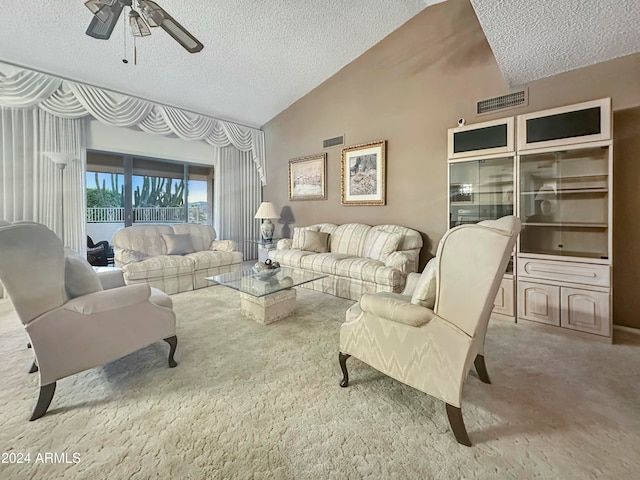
(428, 336)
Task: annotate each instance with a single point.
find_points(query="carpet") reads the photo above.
(249, 401)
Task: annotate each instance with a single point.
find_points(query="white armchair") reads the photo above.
(428, 336)
(72, 323)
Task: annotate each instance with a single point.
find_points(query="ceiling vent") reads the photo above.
(511, 100)
(333, 142)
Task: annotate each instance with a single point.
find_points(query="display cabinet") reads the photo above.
(565, 179)
(482, 185)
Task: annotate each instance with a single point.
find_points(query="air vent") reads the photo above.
(333, 142)
(511, 100)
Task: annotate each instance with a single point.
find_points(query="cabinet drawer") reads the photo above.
(504, 299)
(585, 310)
(539, 302)
(584, 273)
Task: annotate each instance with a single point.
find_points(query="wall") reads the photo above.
(103, 137)
(409, 89)
(626, 219)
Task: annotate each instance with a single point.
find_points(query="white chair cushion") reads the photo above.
(79, 277)
(425, 291)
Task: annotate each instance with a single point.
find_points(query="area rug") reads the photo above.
(249, 401)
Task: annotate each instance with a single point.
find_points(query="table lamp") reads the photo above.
(266, 212)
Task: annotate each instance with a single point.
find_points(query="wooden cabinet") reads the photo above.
(481, 182)
(565, 201)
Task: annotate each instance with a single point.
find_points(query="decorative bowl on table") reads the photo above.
(264, 271)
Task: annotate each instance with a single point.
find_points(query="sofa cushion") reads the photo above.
(178, 244)
(201, 235)
(79, 277)
(298, 237)
(159, 267)
(142, 238)
(209, 258)
(289, 258)
(315, 241)
(349, 239)
(425, 291)
(368, 270)
(322, 262)
(379, 244)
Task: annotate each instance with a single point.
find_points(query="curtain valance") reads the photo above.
(67, 99)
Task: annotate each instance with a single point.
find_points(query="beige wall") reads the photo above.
(409, 89)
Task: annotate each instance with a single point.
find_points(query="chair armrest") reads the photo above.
(125, 257)
(399, 261)
(412, 281)
(223, 245)
(396, 308)
(284, 244)
(107, 300)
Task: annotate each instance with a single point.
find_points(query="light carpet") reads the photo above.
(250, 401)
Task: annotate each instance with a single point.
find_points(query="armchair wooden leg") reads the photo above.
(481, 368)
(44, 400)
(342, 358)
(173, 343)
(28, 345)
(457, 425)
(34, 367)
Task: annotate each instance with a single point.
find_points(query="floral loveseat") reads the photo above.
(357, 258)
(173, 258)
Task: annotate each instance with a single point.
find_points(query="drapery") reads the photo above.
(67, 99)
(31, 185)
(237, 195)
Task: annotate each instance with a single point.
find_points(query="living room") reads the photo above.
(250, 400)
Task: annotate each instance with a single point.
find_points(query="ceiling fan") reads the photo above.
(107, 12)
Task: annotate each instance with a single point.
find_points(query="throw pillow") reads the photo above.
(425, 291)
(178, 243)
(381, 244)
(297, 235)
(315, 241)
(79, 277)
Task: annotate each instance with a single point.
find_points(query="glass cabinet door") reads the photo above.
(564, 202)
(480, 190)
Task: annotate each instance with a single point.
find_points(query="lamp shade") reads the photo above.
(267, 210)
(61, 159)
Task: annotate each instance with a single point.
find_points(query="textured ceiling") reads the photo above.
(260, 56)
(533, 39)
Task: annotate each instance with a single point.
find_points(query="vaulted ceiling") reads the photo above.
(260, 57)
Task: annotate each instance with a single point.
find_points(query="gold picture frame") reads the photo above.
(363, 174)
(308, 177)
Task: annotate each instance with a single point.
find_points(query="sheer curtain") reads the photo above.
(237, 193)
(30, 182)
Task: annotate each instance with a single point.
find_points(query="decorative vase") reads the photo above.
(266, 229)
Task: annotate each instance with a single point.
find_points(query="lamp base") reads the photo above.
(266, 230)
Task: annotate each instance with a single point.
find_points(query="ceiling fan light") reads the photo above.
(151, 12)
(138, 27)
(100, 8)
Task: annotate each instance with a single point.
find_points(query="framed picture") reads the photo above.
(363, 174)
(308, 177)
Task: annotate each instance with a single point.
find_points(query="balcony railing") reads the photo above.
(147, 215)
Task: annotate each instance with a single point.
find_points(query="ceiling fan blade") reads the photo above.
(155, 15)
(102, 30)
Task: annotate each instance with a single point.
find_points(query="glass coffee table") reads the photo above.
(266, 300)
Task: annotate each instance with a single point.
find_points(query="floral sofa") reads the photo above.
(173, 258)
(356, 258)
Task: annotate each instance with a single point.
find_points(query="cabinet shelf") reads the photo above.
(566, 191)
(566, 224)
